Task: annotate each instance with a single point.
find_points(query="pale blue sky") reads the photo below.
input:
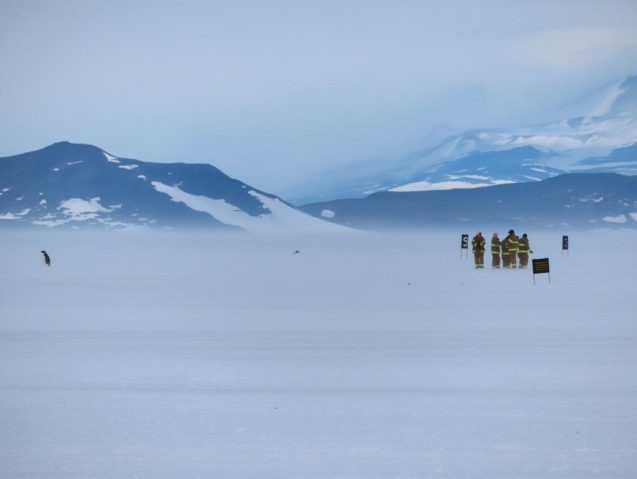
(272, 92)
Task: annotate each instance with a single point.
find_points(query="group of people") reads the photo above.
(511, 249)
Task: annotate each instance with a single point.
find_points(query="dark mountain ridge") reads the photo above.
(576, 200)
(73, 185)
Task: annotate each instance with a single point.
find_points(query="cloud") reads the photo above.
(580, 48)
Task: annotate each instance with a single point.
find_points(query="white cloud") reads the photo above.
(14, 216)
(615, 219)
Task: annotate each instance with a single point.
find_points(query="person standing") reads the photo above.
(495, 251)
(504, 245)
(523, 251)
(478, 245)
(512, 248)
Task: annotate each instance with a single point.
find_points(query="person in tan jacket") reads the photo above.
(495, 251)
(478, 245)
(505, 253)
(523, 251)
(512, 249)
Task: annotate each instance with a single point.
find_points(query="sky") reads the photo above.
(275, 92)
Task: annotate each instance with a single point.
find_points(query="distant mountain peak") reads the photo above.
(597, 124)
(630, 82)
(70, 145)
(82, 186)
(626, 101)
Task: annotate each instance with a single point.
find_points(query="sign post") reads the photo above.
(464, 245)
(564, 245)
(540, 266)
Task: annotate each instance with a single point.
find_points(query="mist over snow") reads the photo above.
(361, 355)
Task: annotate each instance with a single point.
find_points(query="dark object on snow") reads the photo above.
(541, 266)
(47, 260)
(464, 241)
(296, 252)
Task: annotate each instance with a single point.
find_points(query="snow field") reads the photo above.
(194, 355)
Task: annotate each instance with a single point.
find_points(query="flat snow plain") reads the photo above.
(363, 356)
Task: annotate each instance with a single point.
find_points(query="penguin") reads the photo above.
(47, 260)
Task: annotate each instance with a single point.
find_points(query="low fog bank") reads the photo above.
(135, 279)
(362, 355)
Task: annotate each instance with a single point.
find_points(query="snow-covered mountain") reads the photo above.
(620, 160)
(606, 127)
(576, 200)
(76, 185)
(525, 163)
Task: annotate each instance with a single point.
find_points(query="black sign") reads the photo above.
(541, 266)
(464, 242)
(564, 242)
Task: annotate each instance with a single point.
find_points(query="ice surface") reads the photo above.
(278, 216)
(110, 158)
(76, 209)
(442, 185)
(473, 177)
(445, 185)
(363, 356)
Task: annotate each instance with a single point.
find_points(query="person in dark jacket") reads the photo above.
(478, 245)
(47, 259)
